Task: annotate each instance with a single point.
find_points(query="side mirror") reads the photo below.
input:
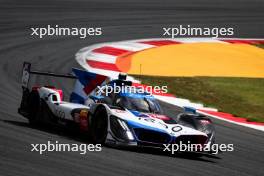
(189, 110)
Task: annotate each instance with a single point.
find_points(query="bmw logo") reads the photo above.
(176, 128)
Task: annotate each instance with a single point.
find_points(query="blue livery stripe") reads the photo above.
(83, 76)
(138, 125)
(75, 98)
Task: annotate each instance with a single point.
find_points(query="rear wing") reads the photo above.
(86, 83)
(26, 72)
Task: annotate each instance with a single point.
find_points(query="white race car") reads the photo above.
(122, 119)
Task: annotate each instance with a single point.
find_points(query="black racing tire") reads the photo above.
(34, 108)
(99, 125)
(45, 114)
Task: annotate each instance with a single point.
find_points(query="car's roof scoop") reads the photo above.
(122, 76)
(121, 81)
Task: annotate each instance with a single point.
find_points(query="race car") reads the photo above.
(44, 104)
(132, 118)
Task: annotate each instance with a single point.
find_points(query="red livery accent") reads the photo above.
(57, 90)
(83, 120)
(158, 116)
(98, 80)
(60, 93)
(35, 88)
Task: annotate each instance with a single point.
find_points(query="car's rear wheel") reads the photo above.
(34, 108)
(99, 126)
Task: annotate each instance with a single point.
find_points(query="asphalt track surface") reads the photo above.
(121, 20)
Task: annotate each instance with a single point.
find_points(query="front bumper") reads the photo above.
(143, 137)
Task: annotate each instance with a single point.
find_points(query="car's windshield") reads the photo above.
(140, 104)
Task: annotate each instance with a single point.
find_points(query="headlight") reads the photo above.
(123, 124)
(130, 135)
(120, 129)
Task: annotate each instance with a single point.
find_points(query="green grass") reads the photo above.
(243, 97)
(260, 45)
